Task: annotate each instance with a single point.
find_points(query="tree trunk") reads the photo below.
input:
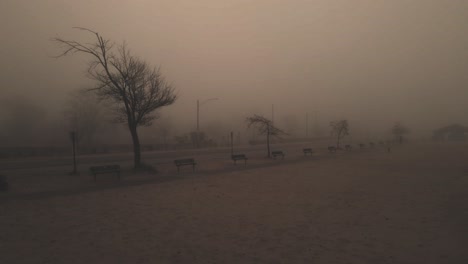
(136, 147)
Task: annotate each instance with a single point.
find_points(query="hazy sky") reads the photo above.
(366, 60)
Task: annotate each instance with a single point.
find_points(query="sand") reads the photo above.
(407, 206)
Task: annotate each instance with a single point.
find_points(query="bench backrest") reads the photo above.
(184, 161)
(238, 156)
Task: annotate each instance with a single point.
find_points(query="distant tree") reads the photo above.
(265, 127)
(164, 129)
(399, 130)
(182, 140)
(22, 121)
(340, 129)
(83, 115)
(135, 89)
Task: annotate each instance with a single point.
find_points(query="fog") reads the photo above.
(371, 62)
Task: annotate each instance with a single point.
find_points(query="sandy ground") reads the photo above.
(407, 206)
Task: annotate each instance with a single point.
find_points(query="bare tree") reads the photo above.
(340, 129)
(399, 130)
(135, 89)
(265, 127)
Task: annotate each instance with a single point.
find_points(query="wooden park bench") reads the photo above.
(236, 157)
(183, 162)
(307, 151)
(277, 153)
(332, 149)
(361, 145)
(95, 170)
(348, 147)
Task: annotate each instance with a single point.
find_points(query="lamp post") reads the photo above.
(198, 117)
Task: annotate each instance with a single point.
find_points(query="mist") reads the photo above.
(371, 62)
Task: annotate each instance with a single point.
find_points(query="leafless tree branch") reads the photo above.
(136, 89)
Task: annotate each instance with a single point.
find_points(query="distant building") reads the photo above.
(454, 132)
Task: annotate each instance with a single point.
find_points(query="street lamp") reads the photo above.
(198, 116)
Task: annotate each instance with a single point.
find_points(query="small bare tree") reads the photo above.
(340, 129)
(399, 130)
(135, 89)
(265, 127)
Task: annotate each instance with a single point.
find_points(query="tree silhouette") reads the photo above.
(265, 127)
(135, 89)
(340, 129)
